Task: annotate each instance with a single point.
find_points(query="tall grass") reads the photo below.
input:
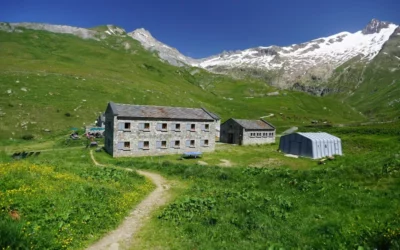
(62, 201)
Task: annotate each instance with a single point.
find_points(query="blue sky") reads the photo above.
(201, 28)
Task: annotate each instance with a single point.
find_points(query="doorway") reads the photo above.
(230, 138)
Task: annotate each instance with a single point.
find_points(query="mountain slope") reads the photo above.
(56, 81)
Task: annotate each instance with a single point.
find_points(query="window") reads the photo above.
(124, 126)
(191, 127)
(162, 126)
(190, 143)
(144, 126)
(205, 127)
(205, 143)
(124, 145)
(144, 145)
(258, 134)
(252, 134)
(271, 135)
(161, 144)
(175, 144)
(177, 127)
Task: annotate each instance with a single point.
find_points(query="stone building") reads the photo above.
(138, 130)
(246, 132)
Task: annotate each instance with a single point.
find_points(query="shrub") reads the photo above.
(27, 137)
(67, 114)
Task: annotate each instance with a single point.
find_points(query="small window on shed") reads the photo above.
(146, 145)
(127, 145)
(127, 126)
(205, 143)
(177, 127)
(193, 127)
(177, 144)
(163, 144)
(164, 127)
(147, 126)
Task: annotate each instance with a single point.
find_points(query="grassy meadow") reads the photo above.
(62, 200)
(348, 203)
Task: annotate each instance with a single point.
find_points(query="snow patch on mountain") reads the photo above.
(333, 50)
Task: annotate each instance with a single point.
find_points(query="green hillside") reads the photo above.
(56, 81)
(372, 88)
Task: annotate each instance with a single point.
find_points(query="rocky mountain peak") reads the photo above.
(375, 26)
(115, 30)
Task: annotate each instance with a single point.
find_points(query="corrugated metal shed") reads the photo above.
(159, 112)
(314, 145)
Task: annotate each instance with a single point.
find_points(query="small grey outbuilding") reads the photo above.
(314, 145)
(246, 132)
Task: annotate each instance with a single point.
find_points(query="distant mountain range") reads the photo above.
(361, 68)
(298, 63)
(284, 67)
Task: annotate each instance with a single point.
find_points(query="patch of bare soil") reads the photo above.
(267, 163)
(225, 163)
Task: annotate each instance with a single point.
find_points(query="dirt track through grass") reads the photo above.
(122, 237)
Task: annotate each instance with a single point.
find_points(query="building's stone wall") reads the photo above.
(137, 134)
(231, 132)
(258, 137)
(109, 133)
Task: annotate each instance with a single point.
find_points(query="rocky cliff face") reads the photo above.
(167, 53)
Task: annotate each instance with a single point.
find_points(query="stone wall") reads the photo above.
(258, 137)
(134, 138)
(231, 132)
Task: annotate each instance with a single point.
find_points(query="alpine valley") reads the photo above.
(56, 76)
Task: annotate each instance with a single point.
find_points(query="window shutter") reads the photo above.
(159, 126)
(141, 144)
(187, 143)
(172, 127)
(158, 144)
(120, 145)
(141, 126)
(172, 144)
(202, 143)
(188, 126)
(203, 127)
(121, 126)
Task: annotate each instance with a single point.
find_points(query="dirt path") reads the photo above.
(225, 163)
(122, 237)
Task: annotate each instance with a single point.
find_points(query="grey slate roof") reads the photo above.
(254, 124)
(159, 112)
